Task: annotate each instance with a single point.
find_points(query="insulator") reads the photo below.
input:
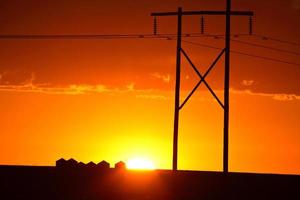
(250, 26)
(202, 25)
(155, 26)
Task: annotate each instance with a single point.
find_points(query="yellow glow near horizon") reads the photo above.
(140, 163)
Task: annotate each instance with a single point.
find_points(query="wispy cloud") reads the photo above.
(278, 97)
(76, 89)
(43, 88)
(165, 78)
(153, 96)
(247, 82)
(130, 87)
(29, 85)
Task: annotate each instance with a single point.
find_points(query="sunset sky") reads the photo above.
(113, 99)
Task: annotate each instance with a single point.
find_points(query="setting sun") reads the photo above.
(140, 163)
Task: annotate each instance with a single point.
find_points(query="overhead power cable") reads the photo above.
(162, 36)
(264, 37)
(243, 53)
(135, 36)
(94, 36)
(263, 46)
(266, 47)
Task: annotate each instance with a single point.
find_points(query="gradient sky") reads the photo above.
(114, 99)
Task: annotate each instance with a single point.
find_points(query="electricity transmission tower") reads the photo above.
(227, 13)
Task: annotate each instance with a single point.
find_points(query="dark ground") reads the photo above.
(43, 183)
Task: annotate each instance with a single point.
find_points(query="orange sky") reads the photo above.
(113, 99)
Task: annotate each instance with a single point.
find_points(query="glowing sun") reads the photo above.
(140, 163)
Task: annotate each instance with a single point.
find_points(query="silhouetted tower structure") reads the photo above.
(227, 13)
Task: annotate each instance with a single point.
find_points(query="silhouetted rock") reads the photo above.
(103, 165)
(120, 165)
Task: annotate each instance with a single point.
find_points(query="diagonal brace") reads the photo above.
(202, 78)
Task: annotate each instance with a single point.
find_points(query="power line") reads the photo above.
(133, 36)
(95, 36)
(168, 36)
(265, 37)
(76, 36)
(265, 58)
(243, 53)
(265, 47)
(106, 36)
(250, 43)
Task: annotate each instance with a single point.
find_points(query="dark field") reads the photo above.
(43, 183)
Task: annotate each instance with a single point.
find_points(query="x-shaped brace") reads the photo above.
(202, 78)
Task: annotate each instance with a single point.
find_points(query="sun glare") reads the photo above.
(140, 163)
